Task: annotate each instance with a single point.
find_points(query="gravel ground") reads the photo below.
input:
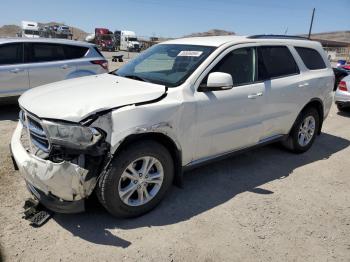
(263, 205)
(115, 65)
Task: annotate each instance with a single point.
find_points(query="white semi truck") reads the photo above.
(29, 29)
(127, 41)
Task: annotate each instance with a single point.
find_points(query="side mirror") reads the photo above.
(217, 81)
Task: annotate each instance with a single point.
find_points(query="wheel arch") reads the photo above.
(166, 141)
(318, 105)
(79, 73)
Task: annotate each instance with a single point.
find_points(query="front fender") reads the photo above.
(163, 118)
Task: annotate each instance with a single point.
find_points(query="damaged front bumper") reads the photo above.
(60, 187)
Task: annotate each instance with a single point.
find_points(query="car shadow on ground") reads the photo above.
(9, 112)
(204, 189)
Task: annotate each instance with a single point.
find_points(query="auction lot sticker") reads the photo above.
(190, 53)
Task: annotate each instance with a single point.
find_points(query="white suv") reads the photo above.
(131, 133)
(26, 63)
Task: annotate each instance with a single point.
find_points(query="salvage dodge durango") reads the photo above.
(129, 134)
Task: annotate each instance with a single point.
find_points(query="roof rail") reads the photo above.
(278, 37)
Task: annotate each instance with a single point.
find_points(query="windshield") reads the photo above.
(31, 32)
(106, 37)
(169, 65)
(132, 39)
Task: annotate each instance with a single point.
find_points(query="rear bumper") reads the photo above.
(341, 96)
(343, 103)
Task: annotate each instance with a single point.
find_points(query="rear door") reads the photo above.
(279, 72)
(48, 63)
(13, 73)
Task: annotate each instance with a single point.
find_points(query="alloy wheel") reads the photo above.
(141, 181)
(306, 130)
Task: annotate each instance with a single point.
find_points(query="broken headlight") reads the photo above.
(72, 135)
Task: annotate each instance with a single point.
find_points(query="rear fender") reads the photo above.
(80, 73)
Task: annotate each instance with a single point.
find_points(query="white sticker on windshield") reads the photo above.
(190, 53)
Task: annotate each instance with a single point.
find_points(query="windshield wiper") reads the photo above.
(135, 77)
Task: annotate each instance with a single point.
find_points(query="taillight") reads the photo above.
(342, 86)
(103, 63)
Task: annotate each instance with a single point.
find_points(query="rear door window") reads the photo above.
(11, 54)
(74, 52)
(274, 62)
(43, 52)
(311, 58)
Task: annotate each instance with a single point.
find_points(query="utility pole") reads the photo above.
(312, 21)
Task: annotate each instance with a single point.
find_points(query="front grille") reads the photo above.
(36, 134)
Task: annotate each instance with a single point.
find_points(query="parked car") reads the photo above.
(27, 63)
(129, 134)
(63, 29)
(339, 74)
(341, 62)
(346, 68)
(342, 95)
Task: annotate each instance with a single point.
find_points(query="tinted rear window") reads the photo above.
(11, 54)
(47, 52)
(311, 58)
(98, 51)
(74, 52)
(275, 61)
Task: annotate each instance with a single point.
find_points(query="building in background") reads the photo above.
(336, 44)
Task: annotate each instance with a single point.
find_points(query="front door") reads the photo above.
(228, 120)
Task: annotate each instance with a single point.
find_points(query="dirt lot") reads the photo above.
(115, 65)
(264, 205)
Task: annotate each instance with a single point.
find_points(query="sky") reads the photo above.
(167, 18)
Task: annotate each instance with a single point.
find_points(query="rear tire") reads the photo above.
(343, 109)
(304, 131)
(121, 177)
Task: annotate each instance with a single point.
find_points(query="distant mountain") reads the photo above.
(211, 32)
(9, 30)
(341, 36)
(12, 30)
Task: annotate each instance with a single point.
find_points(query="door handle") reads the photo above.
(16, 70)
(303, 85)
(65, 67)
(253, 96)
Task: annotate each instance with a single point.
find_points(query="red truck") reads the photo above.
(104, 39)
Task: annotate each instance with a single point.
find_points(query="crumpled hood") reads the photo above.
(75, 99)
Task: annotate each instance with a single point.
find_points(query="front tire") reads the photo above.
(137, 180)
(304, 131)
